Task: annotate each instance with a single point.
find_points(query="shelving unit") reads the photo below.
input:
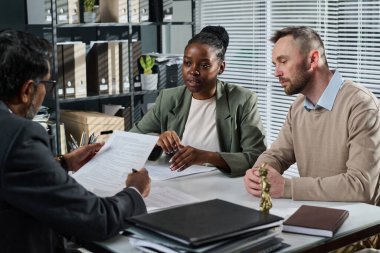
(87, 32)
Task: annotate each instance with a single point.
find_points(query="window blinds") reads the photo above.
(350, 30)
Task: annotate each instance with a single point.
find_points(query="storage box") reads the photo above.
(76, 122)
(113, 11)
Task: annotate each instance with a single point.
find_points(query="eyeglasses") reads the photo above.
(49, 84)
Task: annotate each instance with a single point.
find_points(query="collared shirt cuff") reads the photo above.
(134, 188)
(288, 189)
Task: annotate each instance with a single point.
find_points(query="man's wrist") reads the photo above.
(287, 188)
(62, 160)
(134, 188)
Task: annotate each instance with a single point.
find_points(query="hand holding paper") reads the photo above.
(106, 173)
(80, 156)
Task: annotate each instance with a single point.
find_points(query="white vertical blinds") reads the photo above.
(350, 30)
(359, 42)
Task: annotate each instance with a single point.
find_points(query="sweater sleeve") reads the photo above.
(281, 153)
(359, 182)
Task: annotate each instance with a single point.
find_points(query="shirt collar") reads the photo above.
(329, 94)
(3, 106)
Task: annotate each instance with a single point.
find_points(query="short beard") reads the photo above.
(301, 80)
(32, 111)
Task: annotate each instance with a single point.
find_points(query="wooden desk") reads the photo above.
(363, 221)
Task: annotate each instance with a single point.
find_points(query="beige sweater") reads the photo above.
(337, 152)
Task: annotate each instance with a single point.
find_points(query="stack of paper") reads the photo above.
(259, 242)
(160, 170)
(212, 226)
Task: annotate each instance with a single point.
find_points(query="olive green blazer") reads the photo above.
(238, 122)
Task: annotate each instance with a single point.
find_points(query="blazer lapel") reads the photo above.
(223, 118)
(177, 117)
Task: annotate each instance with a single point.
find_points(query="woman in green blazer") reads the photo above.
(207, 121)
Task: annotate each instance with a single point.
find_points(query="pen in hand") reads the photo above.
(134, 171)
(74, 142)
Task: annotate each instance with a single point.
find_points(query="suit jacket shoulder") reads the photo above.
(38, 198)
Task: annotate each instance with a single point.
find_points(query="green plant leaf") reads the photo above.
(147, 63)
(89, 5)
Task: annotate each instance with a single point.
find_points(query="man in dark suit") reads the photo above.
(38, 199)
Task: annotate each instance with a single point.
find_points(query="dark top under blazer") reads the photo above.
(38, 198)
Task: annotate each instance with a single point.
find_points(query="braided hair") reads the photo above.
(214, 36)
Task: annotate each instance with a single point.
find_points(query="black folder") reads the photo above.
(205, 222)
(97, 69)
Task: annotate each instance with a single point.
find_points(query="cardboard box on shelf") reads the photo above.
(77, 122)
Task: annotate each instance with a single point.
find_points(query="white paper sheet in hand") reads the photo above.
(159, 170)
(164, 197)
(105, 174)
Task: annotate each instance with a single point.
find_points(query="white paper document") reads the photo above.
(159, 170)
(164, 197)
(151, 242)
(105, 174)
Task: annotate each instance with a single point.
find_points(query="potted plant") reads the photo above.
(89, 16)
(149, 80)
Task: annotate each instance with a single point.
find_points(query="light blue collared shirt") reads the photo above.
(329, 94)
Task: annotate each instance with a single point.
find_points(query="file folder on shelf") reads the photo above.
(182, 11)
(144, 10)
(68, 70)
(155, 11)
(124, 66)
(167, 10)
(113, 67)
(39, 12)
(60, 81)
(80, 75)
(73, 11)
(174, 75)
(62, 12)
(136, 54)
(113, 11)
(73, 67)
(135, 12)
(97, 69)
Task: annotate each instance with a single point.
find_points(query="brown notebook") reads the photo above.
(315, 220)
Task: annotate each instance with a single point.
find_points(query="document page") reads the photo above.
(105, 174)
(160, 170)
(164, 197)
